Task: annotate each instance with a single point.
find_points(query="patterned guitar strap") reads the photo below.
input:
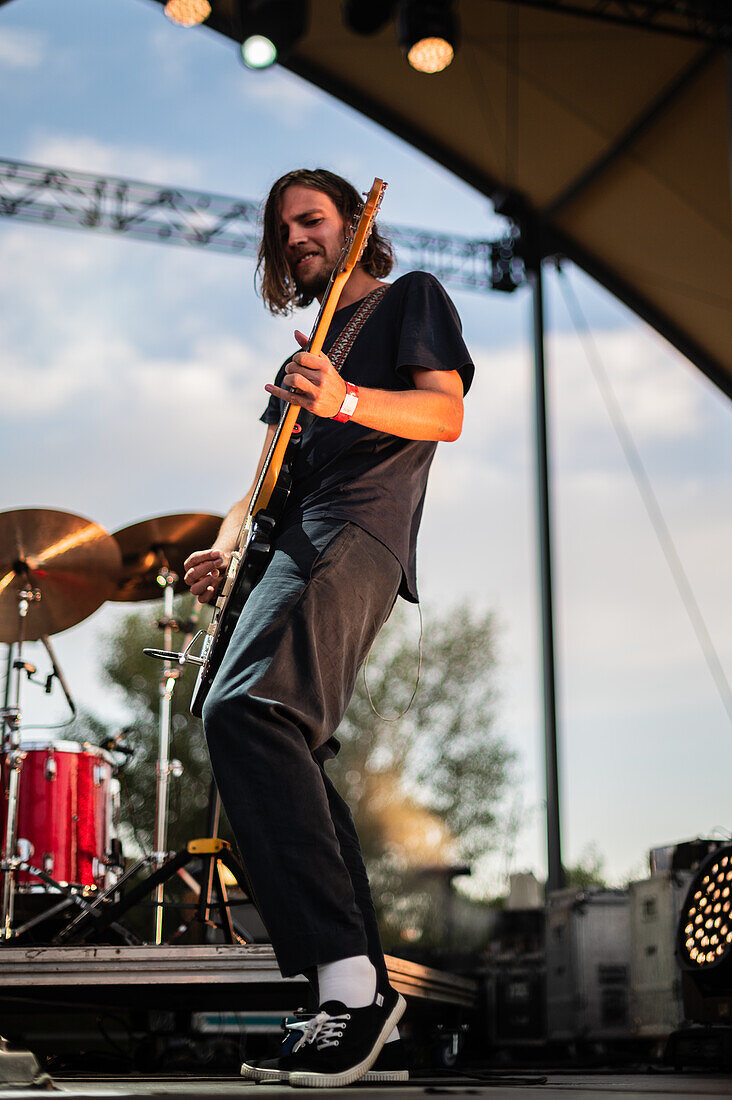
(343, 344)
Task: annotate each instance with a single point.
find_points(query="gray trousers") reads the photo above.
(279, 696)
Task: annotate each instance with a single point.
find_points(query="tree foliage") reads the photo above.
(443, 755)
(588, 871)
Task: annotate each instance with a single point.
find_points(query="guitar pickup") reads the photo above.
(230, 575)
(260, 541)
(264, 523)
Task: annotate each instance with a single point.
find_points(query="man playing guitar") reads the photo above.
(343, 550)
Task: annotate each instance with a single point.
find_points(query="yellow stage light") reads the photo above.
(187, 13)
(428, 33)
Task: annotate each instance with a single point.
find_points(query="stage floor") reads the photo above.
(516, 1086)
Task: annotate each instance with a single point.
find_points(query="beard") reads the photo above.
(314, 283)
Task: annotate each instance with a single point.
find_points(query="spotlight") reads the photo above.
(704, 936)
(187, 13)
(367, 16)
(258, 52)
(428, 33)
(269, 29)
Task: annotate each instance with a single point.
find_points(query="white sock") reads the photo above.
(350, 981)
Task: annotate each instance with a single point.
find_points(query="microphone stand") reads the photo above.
(14, 757)
(167, 579)
(58, 674)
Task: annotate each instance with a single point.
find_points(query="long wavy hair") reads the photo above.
(276, 284)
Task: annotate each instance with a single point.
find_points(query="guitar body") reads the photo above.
(243, 573)
(254, 545)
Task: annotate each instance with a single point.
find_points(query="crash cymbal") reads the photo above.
(73, 563)
(161, 542)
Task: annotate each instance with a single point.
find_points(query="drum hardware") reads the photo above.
(55, 569)
(104, 911)
(165, 543)
(72, 896)
(153, 553)
(56, 674)
(13, 757)
(38, 551)
(212, 851)
(116, 744)
(167, 579)
(18, 850)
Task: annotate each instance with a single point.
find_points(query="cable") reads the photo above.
(408, 707)
(648, 496)
(57, 726)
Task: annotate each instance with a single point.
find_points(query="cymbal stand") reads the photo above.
(167, 579)
(14, 761)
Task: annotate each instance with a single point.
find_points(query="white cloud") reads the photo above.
(86, 154)
(657, 400)
(21, 49)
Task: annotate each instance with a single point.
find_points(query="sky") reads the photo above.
(132, 376)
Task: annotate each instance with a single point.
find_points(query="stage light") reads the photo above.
(187, 13)
(258, 52)
(704, 938)
(428, 32)
(269, 29)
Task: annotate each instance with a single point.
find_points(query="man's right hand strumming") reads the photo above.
(205, 571)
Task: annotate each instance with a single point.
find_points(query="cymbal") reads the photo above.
(73, 563)
(163, 542)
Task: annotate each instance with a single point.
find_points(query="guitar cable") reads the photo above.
(398, 717)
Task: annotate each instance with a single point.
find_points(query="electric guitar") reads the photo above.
(254, 542)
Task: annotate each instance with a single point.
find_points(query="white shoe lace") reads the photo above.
(322, 1029)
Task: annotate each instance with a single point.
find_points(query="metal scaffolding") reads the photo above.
(177, 215)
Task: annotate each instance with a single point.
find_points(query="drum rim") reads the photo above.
(72, 747)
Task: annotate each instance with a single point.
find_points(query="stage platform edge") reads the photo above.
(218, 974)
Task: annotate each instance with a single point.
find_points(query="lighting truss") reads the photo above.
(710, 20)
(176, 215)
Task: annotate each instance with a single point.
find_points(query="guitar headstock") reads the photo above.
(362, 225)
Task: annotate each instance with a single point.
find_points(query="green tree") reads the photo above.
(588, 871)
(443, 748)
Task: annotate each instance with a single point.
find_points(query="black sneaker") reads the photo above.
(391, 1065)
(279, 1069)
(342, 1044)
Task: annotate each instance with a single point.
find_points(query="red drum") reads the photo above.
(65, 811)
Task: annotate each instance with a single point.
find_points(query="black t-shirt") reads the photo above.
(375, 480)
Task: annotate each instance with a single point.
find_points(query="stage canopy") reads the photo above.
(607, 142)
